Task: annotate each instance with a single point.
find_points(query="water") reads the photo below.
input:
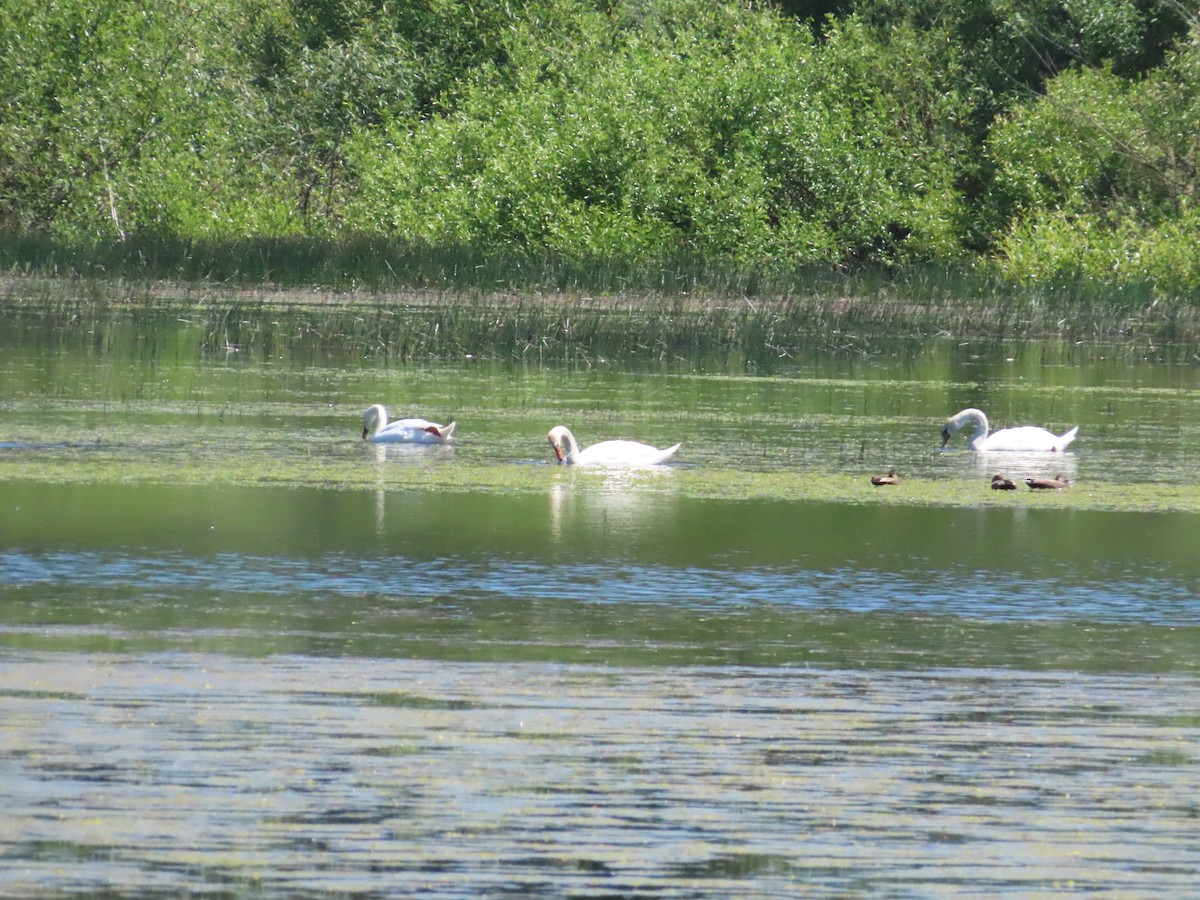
(243, 652)
(307, 774)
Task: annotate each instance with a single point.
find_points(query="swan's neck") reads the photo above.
(376, 419)
(979, 420)
(570, 448)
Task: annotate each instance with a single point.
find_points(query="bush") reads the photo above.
(1096, 178)
(601, 134)
(695, 128)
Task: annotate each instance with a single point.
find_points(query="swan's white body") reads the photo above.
(1026, 439)
(605, 453)
(379, 430)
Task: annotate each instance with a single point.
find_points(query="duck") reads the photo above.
(1027, 438)
(1057, 483)
(379, 430)
(1000, 483)
(890, 478)
(605, 453)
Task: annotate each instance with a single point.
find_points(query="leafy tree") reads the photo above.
(328, 68)
(677, 128)
(1057, 135)
(1098, 178)
(119, 117)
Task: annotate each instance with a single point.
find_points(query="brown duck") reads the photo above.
(890, 478)
(1000, 483)
(1057, 483)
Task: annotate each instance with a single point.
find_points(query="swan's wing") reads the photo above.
(416, 431)
(623, 453)
(1028, 439)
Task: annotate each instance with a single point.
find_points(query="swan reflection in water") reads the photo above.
(390, 454)
(1019, 466)
(610, 501)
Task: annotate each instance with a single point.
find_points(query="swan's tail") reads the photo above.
(1065, 439)
(669, 452)
(443, 431)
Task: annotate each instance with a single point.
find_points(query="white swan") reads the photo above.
(1027, 438)
(416, 431)
(605, 453)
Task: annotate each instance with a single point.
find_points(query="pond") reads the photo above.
(244, 651)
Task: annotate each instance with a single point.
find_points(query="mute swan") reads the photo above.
(1000, 483)
(605, 453)
(416, 431)
(890, 478)
(1057, 483)
(1027, 438)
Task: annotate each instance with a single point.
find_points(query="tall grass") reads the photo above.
(375, 264)
(731, 320)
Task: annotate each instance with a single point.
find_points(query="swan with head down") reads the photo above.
(1026, 438)
(605, 453)
(379, 430)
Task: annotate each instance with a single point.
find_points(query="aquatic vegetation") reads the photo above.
(796, 400)
(244, 467)
(720, 325)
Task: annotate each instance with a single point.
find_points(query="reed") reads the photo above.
(374, 298)
(366, 264)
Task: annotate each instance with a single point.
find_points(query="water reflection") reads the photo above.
(380, 453)
(386, 455)
(1145, 428)
(1017, 466)
(604, 502)
(410, 454)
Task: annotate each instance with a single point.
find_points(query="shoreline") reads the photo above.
(889, 311)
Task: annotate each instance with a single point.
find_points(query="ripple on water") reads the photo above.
(298, 774)
(1104, 595)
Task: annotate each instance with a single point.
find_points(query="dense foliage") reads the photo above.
(1051, 141)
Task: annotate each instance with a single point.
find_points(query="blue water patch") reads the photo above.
(1125, 597)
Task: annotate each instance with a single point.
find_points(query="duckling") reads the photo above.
(1057, 483)
(890, 478)
(1000, 483)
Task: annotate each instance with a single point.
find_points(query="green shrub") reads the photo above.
(605, 135)
(1097, 178)
(704, 129)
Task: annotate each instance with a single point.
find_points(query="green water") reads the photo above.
(245, 652)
